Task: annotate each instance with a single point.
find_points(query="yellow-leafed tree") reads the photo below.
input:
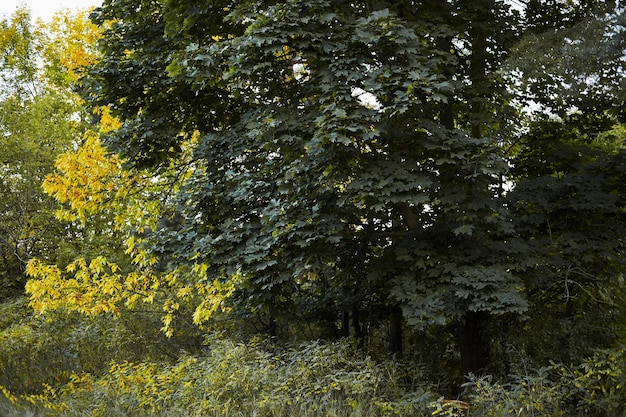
(40, 117)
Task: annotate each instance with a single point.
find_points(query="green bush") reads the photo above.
(534, 394)
(254, 378)
(36, 351)
(598, 386)
(595, 388)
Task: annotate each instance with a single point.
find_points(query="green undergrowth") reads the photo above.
(248, 379)
(322, 379)
(64, 366)
(594, 388)
(315, 380)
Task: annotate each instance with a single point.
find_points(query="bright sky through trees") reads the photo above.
(44, 8)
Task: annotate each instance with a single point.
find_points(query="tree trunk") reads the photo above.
(356, 324)
(272, 329)
(395, 334)
(345, 323)
(473, 345)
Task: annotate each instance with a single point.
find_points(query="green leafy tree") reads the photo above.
(38, 121)
(327, 159)
(568, 172)
(572, 59)
(568, 203)
(341, 147)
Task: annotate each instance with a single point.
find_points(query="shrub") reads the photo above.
(37, 350)
(534, 394)
(595, 388)
(598, 386)
(254, 378)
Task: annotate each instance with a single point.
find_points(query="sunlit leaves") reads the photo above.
(98, 192)
(39, 119)
(20, 46)
(71, 46)
(87, 179)
(100, 286)
(93, 289)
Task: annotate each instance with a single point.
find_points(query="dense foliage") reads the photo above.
(38, 121)
(314, 208)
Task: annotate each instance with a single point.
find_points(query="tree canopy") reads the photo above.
(40, 117)
(423, 162)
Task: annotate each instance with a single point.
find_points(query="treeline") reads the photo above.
(314, 208)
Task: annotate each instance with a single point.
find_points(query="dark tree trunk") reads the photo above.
(395, 334)
(345, 323)
(272, 329)
(473, 345)
(356, 323)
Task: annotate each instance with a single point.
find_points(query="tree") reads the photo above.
(39, 118)
(567, 200)
(571, 59)
(569, 206)
(319, 157)
(326, 131)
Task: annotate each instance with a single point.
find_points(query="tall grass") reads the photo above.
(254, 379)
(63, 366)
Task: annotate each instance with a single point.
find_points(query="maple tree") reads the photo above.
(299, 183)
(323, 161)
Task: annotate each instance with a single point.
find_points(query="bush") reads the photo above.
(598, 386)
(595, 388)
(534, 394)
(254, 379)
(36, 351)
